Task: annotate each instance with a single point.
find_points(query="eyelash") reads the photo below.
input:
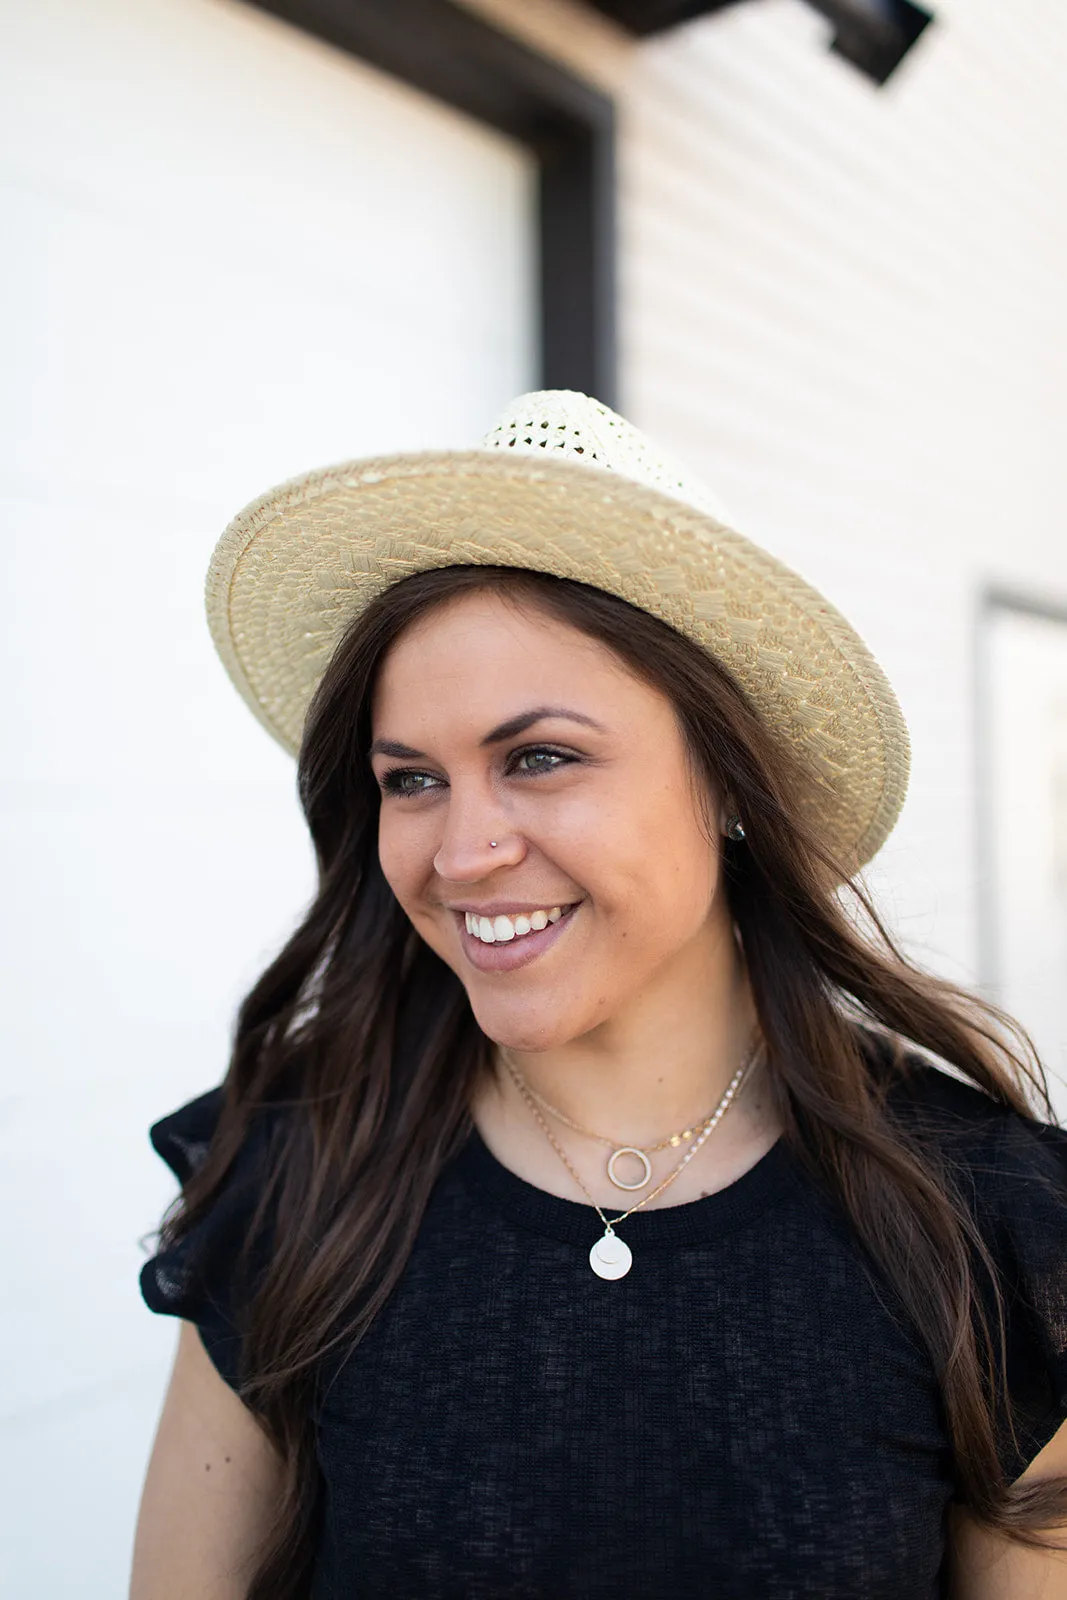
(391, 783)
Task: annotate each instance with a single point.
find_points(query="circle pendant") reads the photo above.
(629, 1150)
(611, 1257)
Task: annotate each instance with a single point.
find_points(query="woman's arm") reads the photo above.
(211, 1489)
(986, 1566)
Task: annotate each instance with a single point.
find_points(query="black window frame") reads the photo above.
(568, 125)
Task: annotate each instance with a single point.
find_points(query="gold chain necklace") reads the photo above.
(610, 1256)
(642, 1152)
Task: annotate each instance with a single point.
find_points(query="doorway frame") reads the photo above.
(566, 123)
(992, 601)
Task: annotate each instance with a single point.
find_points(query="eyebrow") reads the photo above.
(504, 730)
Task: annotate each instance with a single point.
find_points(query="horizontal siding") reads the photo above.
(844, 306)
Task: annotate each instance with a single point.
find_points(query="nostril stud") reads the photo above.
(492, 844)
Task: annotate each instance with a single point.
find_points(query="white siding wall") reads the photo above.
(229, 255)
(845, 305)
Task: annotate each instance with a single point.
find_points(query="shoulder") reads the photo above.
(1001, 1160)
(933, 1104)
(182, 1137)
(212, 1254)
(1010, 1171)
(238, 1146)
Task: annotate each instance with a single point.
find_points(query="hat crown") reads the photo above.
(563, 424)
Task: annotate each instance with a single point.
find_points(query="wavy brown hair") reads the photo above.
(359, 1048)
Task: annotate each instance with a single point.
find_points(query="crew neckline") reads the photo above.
(575, 1222)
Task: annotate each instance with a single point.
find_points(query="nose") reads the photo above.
(477, 839)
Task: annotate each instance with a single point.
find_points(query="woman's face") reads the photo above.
(493, 720)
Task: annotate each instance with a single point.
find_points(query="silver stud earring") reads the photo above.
(492, 844)
(735, 829)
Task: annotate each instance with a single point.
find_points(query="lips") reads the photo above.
(509, 954)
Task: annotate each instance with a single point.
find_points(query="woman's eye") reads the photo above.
(404, 782)
(540, 760)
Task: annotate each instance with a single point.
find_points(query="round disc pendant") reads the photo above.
(611, 1257)
(629, 1150)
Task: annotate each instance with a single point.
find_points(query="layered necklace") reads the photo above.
(610, 1256)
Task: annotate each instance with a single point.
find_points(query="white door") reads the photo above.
(231, 254)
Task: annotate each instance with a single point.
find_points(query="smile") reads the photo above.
(498, 930)
(506, 942)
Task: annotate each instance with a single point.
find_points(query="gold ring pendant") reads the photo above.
(629, 1150)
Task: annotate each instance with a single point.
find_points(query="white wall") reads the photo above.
(845, 306)
(230, 255)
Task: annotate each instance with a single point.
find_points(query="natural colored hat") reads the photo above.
(565, 486)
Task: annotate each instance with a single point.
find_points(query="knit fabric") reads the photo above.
(746, 1415)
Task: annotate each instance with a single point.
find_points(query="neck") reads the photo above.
(662, 1065)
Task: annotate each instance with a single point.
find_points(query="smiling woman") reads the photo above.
(586, 1210)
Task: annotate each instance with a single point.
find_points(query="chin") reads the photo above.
(529, 1027)
(518, 1027)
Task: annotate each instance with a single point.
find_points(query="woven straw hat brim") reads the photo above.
(296, 566)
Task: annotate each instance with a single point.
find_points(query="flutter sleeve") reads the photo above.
(1024, 1197)
(207, 1277)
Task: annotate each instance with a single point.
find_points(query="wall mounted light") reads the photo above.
(874, 35)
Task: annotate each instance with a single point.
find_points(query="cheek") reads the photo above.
(671, 902)
(666, 868)
(648, 906)
(679, 902)
(401, 852)
(694, 867)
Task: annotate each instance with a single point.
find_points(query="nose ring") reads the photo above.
(492, 844)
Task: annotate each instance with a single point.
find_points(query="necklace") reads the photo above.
(642, 1152)
(610, 1256)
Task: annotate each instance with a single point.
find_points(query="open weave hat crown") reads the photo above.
(565, 486)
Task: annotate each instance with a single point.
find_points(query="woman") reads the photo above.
(584, 1213)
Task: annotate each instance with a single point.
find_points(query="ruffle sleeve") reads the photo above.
(1024, 1199)
(1011, 1173)
(207, 1278)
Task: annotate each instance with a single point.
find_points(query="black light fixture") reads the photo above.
(874, 35)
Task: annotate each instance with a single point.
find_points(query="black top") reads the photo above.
(745, 1416)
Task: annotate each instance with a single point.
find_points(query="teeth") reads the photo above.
(499, 930)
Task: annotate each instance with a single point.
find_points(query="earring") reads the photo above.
(492, 844)
(735, 829)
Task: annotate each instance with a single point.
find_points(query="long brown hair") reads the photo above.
(366, 1041)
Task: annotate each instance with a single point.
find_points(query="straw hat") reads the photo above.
(565, 486)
